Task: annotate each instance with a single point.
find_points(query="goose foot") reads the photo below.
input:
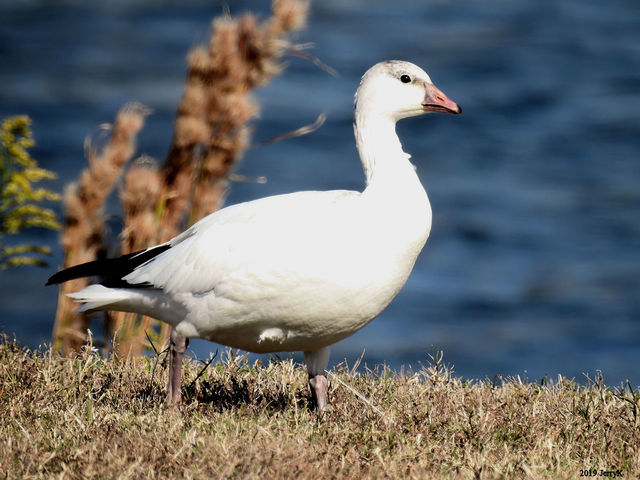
(319, 391)
(317, 362)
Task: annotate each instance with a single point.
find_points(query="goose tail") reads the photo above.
(98, 297)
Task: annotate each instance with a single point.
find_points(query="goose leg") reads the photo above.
(178, 345)
(317, 362)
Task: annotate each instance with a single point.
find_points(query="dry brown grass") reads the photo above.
(86, 417)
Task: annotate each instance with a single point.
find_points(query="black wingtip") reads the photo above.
(78, 271)
(54, 279)
(57, 278)
(111, 269)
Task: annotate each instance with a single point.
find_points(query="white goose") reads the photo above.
(290, 272)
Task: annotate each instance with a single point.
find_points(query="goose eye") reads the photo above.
(405, 79)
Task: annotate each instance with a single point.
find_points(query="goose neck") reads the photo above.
(379, 147)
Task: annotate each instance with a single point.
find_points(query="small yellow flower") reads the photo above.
(19, 200)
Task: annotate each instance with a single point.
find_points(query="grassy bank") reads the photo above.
(85, 417)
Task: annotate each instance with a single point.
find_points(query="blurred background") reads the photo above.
(533, 264)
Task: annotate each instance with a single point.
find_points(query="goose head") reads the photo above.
(396, 89)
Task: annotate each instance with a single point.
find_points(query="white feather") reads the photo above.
(94, 297)
(298, 271)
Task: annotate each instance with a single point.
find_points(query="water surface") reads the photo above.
(533, 263)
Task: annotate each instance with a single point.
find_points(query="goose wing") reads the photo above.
(269, 237)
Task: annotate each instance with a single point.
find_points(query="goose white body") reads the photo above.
(304, 270)
(291, 272)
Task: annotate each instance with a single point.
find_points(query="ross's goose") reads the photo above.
(290, 272)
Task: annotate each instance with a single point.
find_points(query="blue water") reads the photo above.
(533, 265)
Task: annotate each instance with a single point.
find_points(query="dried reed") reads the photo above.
(82, 237)
(211, 130)
(139, 197)
(211, 133)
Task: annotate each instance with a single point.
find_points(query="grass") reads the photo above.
(87, 417)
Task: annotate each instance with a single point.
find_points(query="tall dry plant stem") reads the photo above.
(84, 221)
(211, 133)
(211, 129)
(139, 197)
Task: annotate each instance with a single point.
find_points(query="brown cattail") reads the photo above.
(139, 197)
(211, 133)
(289, 15)
(244, 54)
(84, 219)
